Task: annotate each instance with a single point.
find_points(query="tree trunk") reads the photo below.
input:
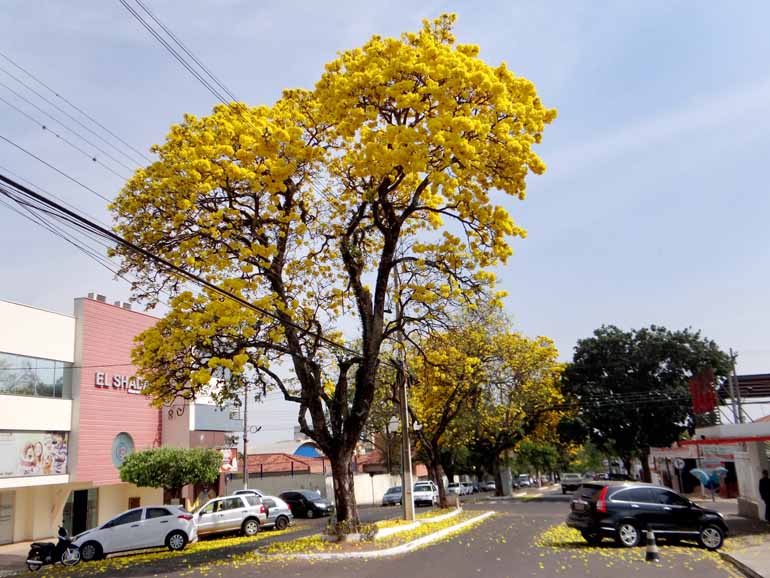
(497, 472)
(437, 474)
(645, 459)
(344, 490)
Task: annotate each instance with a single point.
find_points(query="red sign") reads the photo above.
(704, 396)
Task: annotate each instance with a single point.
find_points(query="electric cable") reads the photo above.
(80, 110)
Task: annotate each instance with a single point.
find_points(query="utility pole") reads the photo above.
(245, 436)
(407, 498)
(731, 389)
(736, 385)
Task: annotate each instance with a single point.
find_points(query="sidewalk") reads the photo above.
(748, 546)
(13, 557)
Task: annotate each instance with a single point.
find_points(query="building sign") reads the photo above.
(33, 454)
(130, 384)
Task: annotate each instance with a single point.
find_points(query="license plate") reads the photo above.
(579, 506)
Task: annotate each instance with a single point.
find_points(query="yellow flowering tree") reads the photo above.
(400, 156)
(521, 400)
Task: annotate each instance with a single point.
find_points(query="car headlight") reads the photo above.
(319, 504)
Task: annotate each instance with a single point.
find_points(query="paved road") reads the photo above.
(509, 544)
(504, 546)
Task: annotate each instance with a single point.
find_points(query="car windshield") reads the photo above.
(422, 487)
(311, 495)
(571, 477)
(394, 490)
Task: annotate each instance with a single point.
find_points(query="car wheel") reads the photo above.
(628, 535)
(250, 527)
(711, 537)
(70, 556)
(593, 538)
(310, 513)
(176, 541)
(91, 551)
(281, 523)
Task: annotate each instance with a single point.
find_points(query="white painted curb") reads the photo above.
(394, 551)
(442, 517)
(385, 532)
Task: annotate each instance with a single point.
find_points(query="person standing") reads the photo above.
(764, 493)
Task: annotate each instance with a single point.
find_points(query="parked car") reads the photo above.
(425, 494)
(625, 510)
(455, 488)
(392, 496)
(488, 486)
(523, 481)
(570, 482)
(278, 512)
(307, 503)
(136, 529)
(249, 492)
(467, 488)
(244, 513)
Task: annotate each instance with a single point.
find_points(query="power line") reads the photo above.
(49, 115)
(45, 128)
(62, 213)
(50, 166)
(179, 58)
(80, 110)
(187, 51)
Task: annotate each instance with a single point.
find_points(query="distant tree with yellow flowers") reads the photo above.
(401, 157)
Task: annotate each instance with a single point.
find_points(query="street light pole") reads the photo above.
(406, 465)
(407, 498)
(245, 438)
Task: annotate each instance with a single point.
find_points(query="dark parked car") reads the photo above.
(307, 503)
(625, 510)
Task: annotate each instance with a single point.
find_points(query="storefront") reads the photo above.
(72, 410)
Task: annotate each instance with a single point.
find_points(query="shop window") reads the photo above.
(22, 375)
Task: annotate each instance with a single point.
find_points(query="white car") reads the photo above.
(148, 527)
(425, 493)
(244, 513)
(455, 488)
(467, 488)
(250, 491)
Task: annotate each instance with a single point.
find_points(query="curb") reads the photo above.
(394, 551)
(387, 532)
(748, 571)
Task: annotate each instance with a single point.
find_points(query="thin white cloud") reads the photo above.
(701, 114)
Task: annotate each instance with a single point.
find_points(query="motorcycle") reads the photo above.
(41, 553)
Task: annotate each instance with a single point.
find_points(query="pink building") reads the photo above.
(71, 409)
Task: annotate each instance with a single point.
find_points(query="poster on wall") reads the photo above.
(32, 454)
(229, 460)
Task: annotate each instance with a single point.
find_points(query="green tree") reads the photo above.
(631, 387)
(537, 456)
(171, 468)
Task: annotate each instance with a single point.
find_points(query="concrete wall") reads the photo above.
(113, 499)
(30, 331)
(38, 510)
(22, 413)
(369, 489)
(274, 485)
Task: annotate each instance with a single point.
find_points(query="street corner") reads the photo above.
(562, 550)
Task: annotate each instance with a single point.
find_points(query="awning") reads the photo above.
(731, 440)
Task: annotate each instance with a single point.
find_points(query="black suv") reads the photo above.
(626, 510)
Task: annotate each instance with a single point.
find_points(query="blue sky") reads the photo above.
(653, 207)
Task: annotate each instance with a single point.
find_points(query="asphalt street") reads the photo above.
(524, 538)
